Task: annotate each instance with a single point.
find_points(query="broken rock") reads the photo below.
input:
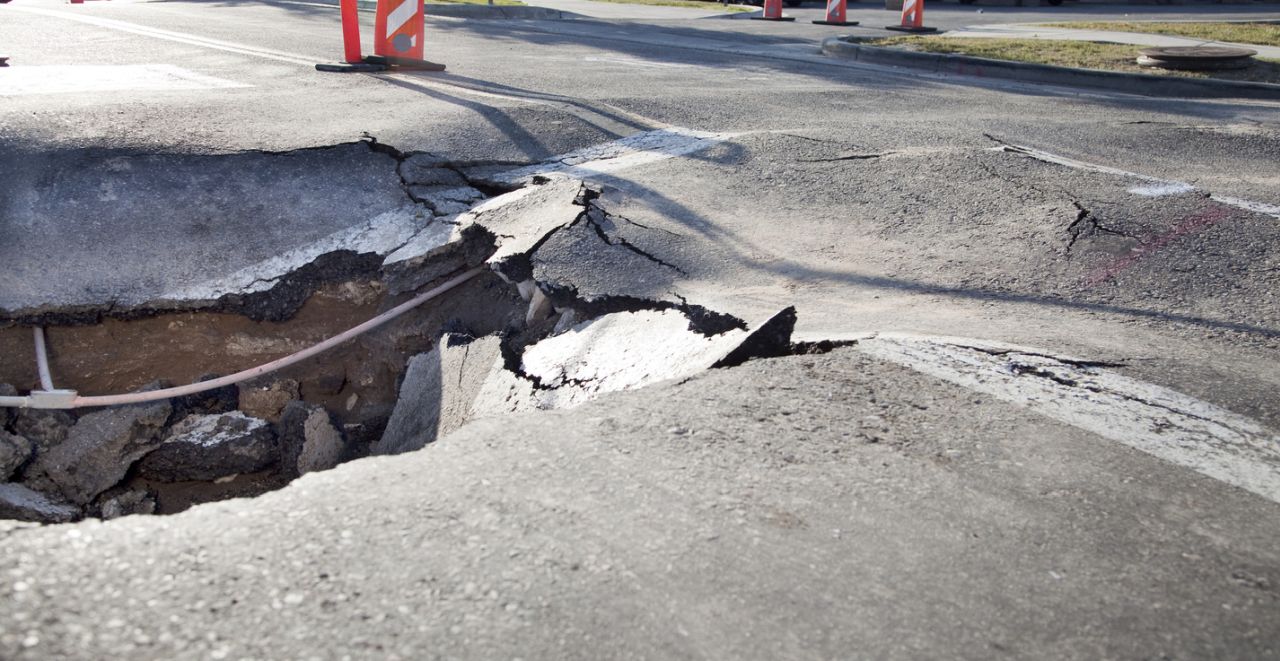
(99, 450)
(437, 393)
(309, 441)
(44, 427)
(218, 400)
(25, 504)
(7, 414)
(268, 402)
(14, 452)
(207, 447)
(136, 501)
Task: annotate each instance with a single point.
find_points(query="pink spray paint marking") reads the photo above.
(1147, 248)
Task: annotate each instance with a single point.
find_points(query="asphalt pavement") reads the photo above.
(906, 496)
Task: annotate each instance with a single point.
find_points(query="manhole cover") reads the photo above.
(1196, 58)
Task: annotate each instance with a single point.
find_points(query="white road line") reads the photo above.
(381, 235)
(82, 78)
(180, 37)
(1162, 189)
(635, 62)
(1170, 425)
(1159, 187)
(1260, 207)
(629, 152)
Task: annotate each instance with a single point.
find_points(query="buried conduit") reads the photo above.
(49, 398)
(42, 360)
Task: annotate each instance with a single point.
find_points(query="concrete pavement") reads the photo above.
(809, 507)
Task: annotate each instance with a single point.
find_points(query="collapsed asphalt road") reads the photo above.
(723, 464)
(1029, 406)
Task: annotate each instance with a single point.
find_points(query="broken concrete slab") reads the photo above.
(438, 391)
(522, 220)
(309, 441)
(504, 392)
(601, 258)
(208, 447)
(15, 451)
(502, 231)
(440, 248)
(25, 504)
(441, 206)
(464, 194)
(245, 220)
(623, 351)
(419, 171)
(99, 451)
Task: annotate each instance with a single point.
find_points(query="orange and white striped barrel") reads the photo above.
(399, 29)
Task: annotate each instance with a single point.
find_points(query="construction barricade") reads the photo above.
(398, 40)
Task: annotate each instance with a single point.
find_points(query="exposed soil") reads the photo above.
(355, 381)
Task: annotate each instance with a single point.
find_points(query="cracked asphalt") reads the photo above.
(903, 495)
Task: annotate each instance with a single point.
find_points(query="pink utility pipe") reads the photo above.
(167, 393)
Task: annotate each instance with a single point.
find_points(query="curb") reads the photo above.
(981, 67)
(456, 10)
(487, 11)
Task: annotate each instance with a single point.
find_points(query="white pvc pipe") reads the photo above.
(42, 360)
(167, 393)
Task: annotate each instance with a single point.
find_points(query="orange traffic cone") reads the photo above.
(773, 12)
(835, 14)
(353, 60)
(398, 40)
(912, 18)
(397, 43)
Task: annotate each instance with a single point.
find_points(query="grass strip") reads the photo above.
(1079, 54)
(1261, 34)
(499, 3)
(691, 4)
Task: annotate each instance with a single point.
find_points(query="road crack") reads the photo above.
(623, 243)
(848, 157)
(1086, 224)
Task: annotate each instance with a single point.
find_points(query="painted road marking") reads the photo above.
(629, 152)
(83, 78)
(180, 37)
(570, 105)
(635, 62)
(380, 235)
(1162, 189)
(1164, 423)
(1156, 186)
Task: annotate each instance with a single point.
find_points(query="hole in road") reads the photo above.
(530, 331)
